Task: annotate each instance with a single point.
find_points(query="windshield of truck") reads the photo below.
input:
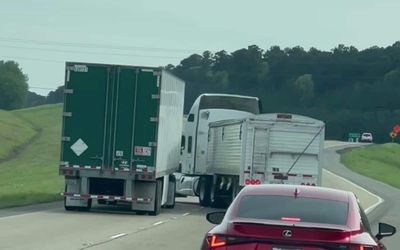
(230, 102)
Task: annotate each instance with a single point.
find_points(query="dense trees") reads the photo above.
(13, 86)
(353, 91)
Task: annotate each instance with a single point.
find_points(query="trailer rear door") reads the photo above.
(256, 155)
(84, 116)
(110, 117)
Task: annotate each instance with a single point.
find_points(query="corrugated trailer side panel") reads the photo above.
(170, 124)
(225, 149)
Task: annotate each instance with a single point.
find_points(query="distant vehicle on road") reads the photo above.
(366, 137)
(294, 217)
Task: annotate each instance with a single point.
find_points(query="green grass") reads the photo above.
(14, 134)
(32, 175)
(380, 162)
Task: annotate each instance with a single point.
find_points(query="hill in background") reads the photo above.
(29, 158)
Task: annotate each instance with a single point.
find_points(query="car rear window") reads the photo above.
(304, 209)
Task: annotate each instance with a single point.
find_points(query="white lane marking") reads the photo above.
(118, 236)
(185, 214)
(368, 209)
(158, 223)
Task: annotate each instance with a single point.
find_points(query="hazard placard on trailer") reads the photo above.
(79, 147)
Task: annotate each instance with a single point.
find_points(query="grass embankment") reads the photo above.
(380, 162)
(14, 135)
(31, 176)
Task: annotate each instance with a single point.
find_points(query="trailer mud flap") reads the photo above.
(73, 186)
(148, 190)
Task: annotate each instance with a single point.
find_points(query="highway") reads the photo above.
(387, 212)
(48, 226)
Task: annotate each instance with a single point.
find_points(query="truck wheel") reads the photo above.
(205, 184)
(235, 191)
(87, 208)
(217, 201)
(172, 183)
(68, 208)
(196, 186)
(157, 199)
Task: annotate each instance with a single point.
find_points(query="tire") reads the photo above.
(101, 202)
(196, 187)
(216, 201)
(68, 208)
(205, 184)
(87, 208)
(173, 180)
(235, 190)
(157, 201)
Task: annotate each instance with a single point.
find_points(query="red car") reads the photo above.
(288, 217)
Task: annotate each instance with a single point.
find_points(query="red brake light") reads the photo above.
(216, 241)
(290, 219)
(252, 182)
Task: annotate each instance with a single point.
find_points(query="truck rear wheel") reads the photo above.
(171, 191)
(205, 185)
(68, 208)
(157, 199)
(88, 207)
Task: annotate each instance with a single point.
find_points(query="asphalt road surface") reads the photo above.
(48, 226)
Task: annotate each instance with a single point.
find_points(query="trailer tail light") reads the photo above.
(215, 241)
(252, 182)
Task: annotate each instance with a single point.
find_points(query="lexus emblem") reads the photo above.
(287, 233)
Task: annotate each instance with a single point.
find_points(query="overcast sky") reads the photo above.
(42, 34)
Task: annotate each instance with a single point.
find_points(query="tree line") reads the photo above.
(14, 93)
(351, 90)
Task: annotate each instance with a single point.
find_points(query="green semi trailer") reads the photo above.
(121, 136)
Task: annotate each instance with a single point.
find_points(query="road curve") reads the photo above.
(387, 211)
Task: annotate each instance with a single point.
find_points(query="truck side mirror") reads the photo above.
(385, 230)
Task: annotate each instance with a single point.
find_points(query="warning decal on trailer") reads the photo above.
(143, 151)
(79, 147)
